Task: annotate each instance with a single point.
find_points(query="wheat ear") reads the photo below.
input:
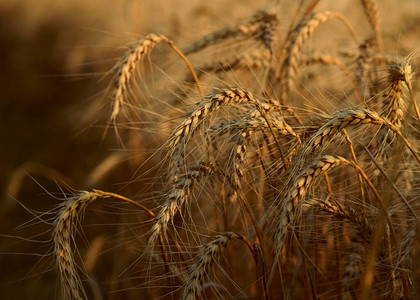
(183, 133)
(128, 64)
(178, 195)
(301, 34)
(63, 236)
(343, 120)
(205, 259)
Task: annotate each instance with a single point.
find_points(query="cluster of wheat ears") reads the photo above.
(282, 170)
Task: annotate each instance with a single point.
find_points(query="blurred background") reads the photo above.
(53, 57)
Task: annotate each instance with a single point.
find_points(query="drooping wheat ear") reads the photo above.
(372, 15)
(262, 27)
(236, 162)
(393, 104)
(297, 192)
(292, 203)
(63, 236)
(394, 109)
(129, 63)
(301, 34)
(343, 211)
(204, 260)
(341, 121)
(178, 195)
(183, 133)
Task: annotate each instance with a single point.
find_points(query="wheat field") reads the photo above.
(269, 152)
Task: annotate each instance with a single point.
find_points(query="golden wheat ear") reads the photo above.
(129, 63)
(65, 225)
(297, 38)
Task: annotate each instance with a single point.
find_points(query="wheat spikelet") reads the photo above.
(178, 195)
(345, 211)
(341, 121)
(183, 133)
(301, 34)
(128, 64)
(297, 192)
(63, 235)
(393, 104)
(394, 110)
(238, 152)
(208, 255)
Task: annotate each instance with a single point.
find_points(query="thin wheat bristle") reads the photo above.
(297, 192)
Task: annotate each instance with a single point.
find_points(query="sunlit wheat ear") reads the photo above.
(298, 37)
(129, 63)
(179, 194)
(372, 15)
(63, 234)
(243, 135)
(203, 262)
(341, 121)
(393, 104)
(297, 192)
(179, 139)
(262, 27)
(339, 210)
